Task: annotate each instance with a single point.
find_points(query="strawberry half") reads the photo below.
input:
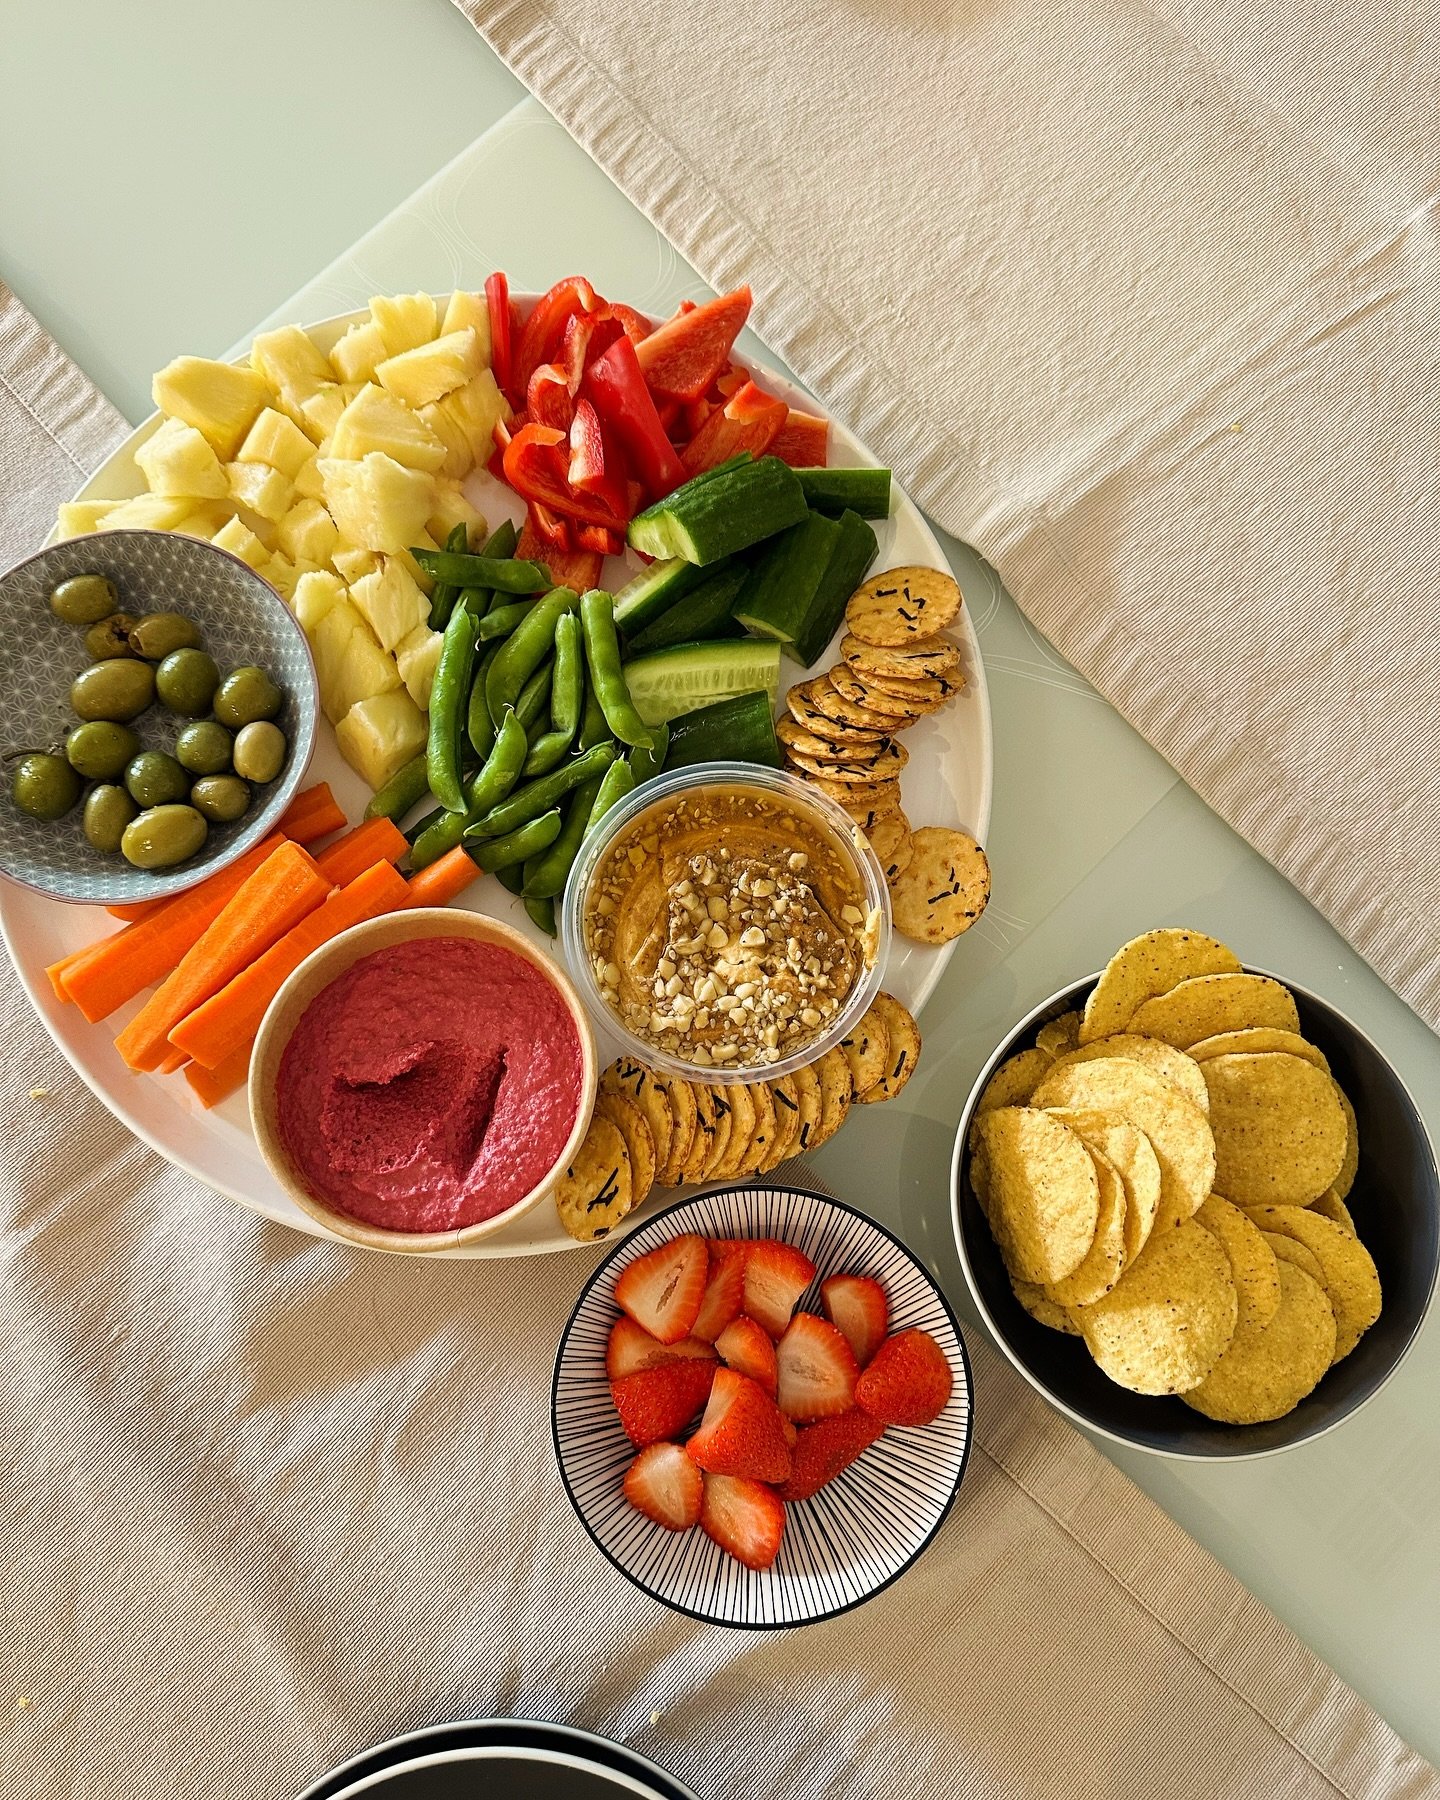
(856, 1306)
(827, 1448)
(741, 1433)
(660, 1403)
(724, 1292)
(776, 1275)
(665, 1485)
(745, 1518)
(662, 1290)
(816, 1370)
(631, 1349)
(746, 1346)
(908, 1381)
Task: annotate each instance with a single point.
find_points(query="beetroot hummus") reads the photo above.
(432, 1085)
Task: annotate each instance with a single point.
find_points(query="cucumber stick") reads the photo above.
(741, 729)
(669, 682)
(785, 579)
(851, 555)
(705, 613)
(721, 513)
(863, 491)
(653, 592)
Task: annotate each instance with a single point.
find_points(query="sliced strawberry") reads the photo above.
(823, 1450)
(665, 1485)
(776, 1275)
(746, 1346)
(816, 1369)
(741, 1433)
(745, 1518)
(908, 1381)
(857, 1307)
(792, 1431)
(662, 1291)
(727, 1246)
(631, 1349)
(724, 1293)
(661, 1402)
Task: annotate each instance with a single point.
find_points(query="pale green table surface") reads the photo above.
(170, 177)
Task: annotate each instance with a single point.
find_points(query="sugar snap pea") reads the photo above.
(618, 782)
(593, 727)
(506, 573)
(501, 769)
(647, 760)
(545, 876)
(526, 840)
(542, 913)
(526, 648)
(500, 621)
(602, 653)
(512, 876)
(536, 797)
(439, 831)
(476, 601)
(500, 545)
(479, 726)
(405, 788)
(449, 704)
(414, 832)
(535, 696)
(444, 593)
(567, 688)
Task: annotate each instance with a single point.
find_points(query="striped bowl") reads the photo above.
(855, 1536)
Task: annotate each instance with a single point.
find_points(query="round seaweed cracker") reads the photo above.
(1042, 1192)
(1207, 1005)
(899, 605)
(1148, 965)
(1171, 1065)
(630, 1121)
(1347, 1269)
(904, 1053)
(1168, 1320)
(1271, 1364)
(866, 1047)
(944, 889)
(596, 1191)
(636, 1081)
(1280, 1130)
(1252, 1262)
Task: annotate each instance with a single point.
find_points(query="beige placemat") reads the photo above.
(264, 1501)
(1141, 297)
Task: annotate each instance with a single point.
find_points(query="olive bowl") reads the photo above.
(242, 621)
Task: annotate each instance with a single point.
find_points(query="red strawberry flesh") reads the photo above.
(662, 1290)
(826, 1449)
(908, 1381)
(816, 1370)
(631, 1349)
(776, 1275)
(857, 1307)
(665, 1485)
(745, 1518)
(661, 1402)
(724, 1293)
(746, 1346)
(742, 1432)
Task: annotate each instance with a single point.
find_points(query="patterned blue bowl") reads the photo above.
(242, 619)
(855, 1536)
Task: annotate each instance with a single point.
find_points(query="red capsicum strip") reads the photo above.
(497, 302)
(548, 398)
(536, 467)
(544, 333)
(616, 388)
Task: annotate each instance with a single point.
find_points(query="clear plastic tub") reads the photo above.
(663, 791)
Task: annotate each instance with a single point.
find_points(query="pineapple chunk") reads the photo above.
(314, 596)
(473, 310)
(308, 531)
(422, 540)
(260, 488)
(452, 509)
(377, 502)
(430, 371)
(349, 665)
(351, 562)
(277, 441)
(291, 363)
(458, 459)
(322, 410)
(147, 512)
(204, 520)
(474, 409)
(219, 401)
(359, 352)
(377, 737)
(281, 574)
(375, 420)
(404, 320)
(389, 602)
(239, 540)
(177, 460)
(78, 518)
(416, 657)
(307, 480)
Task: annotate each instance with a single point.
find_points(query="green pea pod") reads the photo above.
(593, 728)
(526, 840)
(442, 595)
(500, 621)
(505, 573)
(415, 832)
(405, 788)
(566, 690)
(647, 760)
(528, 645)
(476, 601)
(546, 876)
(442, 831)
(501, 769)
(512, 877)
(536, 797)
(542, 913)
(449, 703)
(479, 726)
(500, 545)
(602, 653)
(618, 782)
(535, 696)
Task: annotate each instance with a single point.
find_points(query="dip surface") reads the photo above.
(432, 1085)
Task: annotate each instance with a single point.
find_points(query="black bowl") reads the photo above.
(1396, 1205)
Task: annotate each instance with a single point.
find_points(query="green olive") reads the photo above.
(108, 810)
(186, 681)
(204, 748)
(260, 751)
(157, 634)
(246, 695)
(44, 785)
(156, 779)
(111, 637)
(84, 599)
(100, 750)
(163, 836)
(223, 798)
(118, 688)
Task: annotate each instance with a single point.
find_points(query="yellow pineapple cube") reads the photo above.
(308, 484)
(378, 736)
(307, 531)
(239, 540)
(430, 371)
(349, 665)
(285, 576)
(321, 412)
(469, 309)
(78, 518)
(177, 460)
(389, 602)
(416, 657)
(475, 409)
(378, 502)
(375, 420)
(452, 509)
(315, 593)
(260, 488)
(359, 352)
(458, 461)
(404, 320)
(204, 520)
(291, 363)
(351, 562)
(277, 441)
(219, 401)
(422, 540)
(147, 512)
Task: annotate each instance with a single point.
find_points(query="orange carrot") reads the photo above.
(210, 1086)
(176, 1059)
(229, 1019)
(439, 882)
(285, 887)
(375, 840)
(56, 970)
(113, 971)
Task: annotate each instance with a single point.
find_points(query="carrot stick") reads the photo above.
(210, 1086)
(285, 887)
(56, 970)
(438, 883)
(113, 971)
(229, 1019)
(177, 1059)
(376, 840)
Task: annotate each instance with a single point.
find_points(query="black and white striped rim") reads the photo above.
(854, 1537)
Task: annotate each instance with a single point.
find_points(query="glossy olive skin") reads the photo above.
(110, 637)
(100, 749)
(221, 798)
(204, 748)
(119, 688)
(260, 751)
(44, 786)
(158, 634)
(246, 695)
(186, 681)
(162, 836)
(155, 779)
(84, 599)
(108, 810)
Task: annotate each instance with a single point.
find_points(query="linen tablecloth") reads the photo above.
(264, 1501)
